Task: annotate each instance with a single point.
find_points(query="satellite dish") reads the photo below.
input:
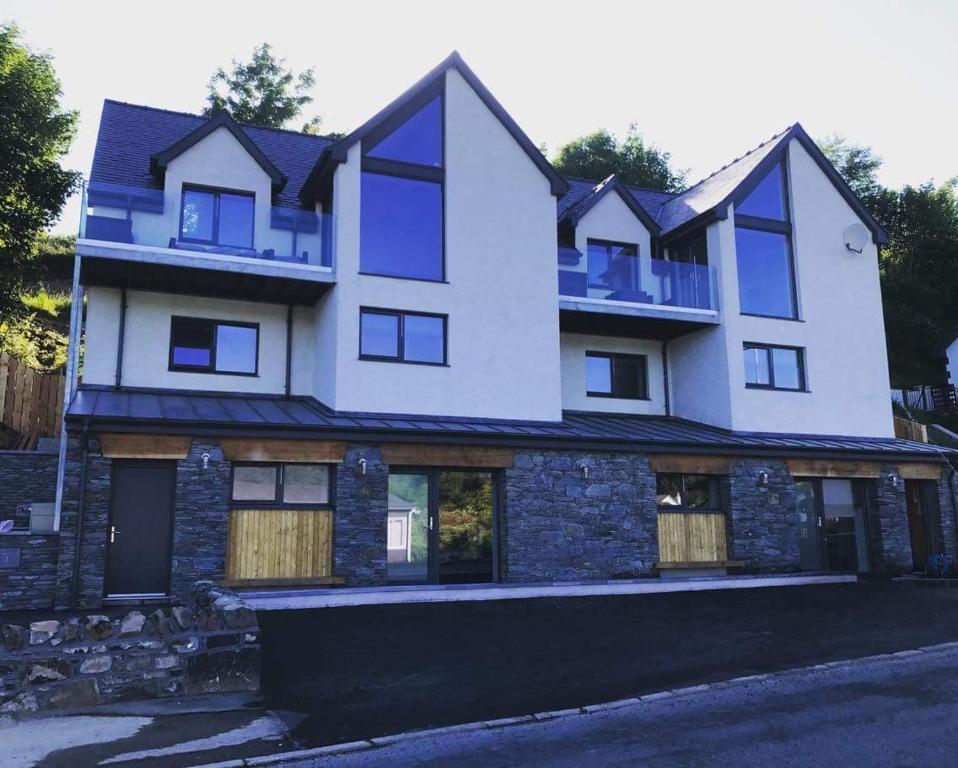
(6, 526)
(856, 235)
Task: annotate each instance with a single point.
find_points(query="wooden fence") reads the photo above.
(31, 403)
(910, 430)
(280, 546)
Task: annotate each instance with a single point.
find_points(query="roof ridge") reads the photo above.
(181, 113)
(630, 187)
(775, 137)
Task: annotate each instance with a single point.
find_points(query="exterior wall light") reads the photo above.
(206, 460)
(585, 471)
(893, 479)
(763, 478)
(362, 466)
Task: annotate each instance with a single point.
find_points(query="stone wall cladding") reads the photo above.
(201, 517)
(33, 583)
(558, 524)
(763, 524)
(888, 524)
(947, 512)
(26, 477)
(207, 646)
(359, 519)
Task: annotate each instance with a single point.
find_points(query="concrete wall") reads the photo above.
(146, 347)
(218, 160)
(503, 327)
(574, 347)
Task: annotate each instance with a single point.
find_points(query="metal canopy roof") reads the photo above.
(229, 413)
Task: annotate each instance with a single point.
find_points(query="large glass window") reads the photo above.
(768, 367)
(700, 492)
(616, 375)
(281, 484)
(763, 246)
(613, 266)
(217, 217)
(401, 208)
(410, 337)
(213, 346)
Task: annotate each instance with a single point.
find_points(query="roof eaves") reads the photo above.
(161, 160)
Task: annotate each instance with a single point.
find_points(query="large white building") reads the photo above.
(530, 377)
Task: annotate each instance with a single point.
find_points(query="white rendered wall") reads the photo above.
(574, 398)
(146, 345)
(217, 160)
(501, 294)
(951, 353)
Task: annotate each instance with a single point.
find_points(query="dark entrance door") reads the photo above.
(832, 531)
(141, 526)
(918, 523)
(441, 526)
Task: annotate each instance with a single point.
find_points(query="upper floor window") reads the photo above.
(613, 266)
(408, 337)
(401, 190)
(616, 375)
(769, 367)
(217, 217)
(213, 346)
(763, 246)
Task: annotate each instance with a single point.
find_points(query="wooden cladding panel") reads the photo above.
(279, 546)
(833, 468)
(692, 537)
(686, 464)
(120, 445)
(30, 401)
(289, 451)
(466, 456)
(920, 470)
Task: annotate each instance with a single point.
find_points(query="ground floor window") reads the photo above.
(286, 484)
(441, 526)
(695, 492)
(833, 533)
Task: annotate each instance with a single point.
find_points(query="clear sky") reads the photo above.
(704, 80)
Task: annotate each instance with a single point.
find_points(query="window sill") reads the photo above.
(772, 317)
(206, 371)
(440, 281)
(762, 387)
(690, 510)
(605, 396)
(372, 359)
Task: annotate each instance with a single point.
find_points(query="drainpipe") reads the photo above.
(121, 335)
(81, 499)
(289, 346)
(665, 376)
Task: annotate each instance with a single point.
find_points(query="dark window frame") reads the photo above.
(216, 192)
(211, 368)
(607, 243)
(802, 377)
(277, 502)
(611, 357)
(719, 496)
(778, 227)
(401, 315)
(405, 170)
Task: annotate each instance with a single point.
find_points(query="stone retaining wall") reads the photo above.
(209, 645)
(32, 582)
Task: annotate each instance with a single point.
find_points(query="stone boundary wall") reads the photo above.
(32, 583)
(26, 477)
(79, 660)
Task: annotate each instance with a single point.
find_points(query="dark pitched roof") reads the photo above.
(337, 153)
(193, 412)
(159, 161)
(130, 135)
(573, 213)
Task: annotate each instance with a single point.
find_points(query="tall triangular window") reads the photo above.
(763, 248)
(401, 207)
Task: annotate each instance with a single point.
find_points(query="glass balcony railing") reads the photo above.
(132, 215)
(651, 281)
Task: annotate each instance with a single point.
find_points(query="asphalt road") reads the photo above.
(364, 672)
(891, 712)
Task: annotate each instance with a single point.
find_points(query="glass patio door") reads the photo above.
(832, 531)
(440, 527)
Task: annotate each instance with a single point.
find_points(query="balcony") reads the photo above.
(291, 258)
(638, 296)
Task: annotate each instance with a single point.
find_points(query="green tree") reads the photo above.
(35, 134)
(600, 154)
(263, 91)
(857, 164)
